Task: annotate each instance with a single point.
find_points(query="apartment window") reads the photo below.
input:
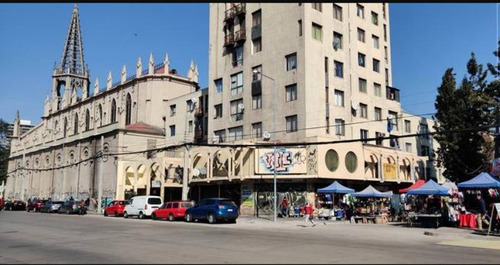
(362, 85)
(257, 102)
(173, 109)
(300, 27)
(190, 126)
(172, 130)
(361, 59)
(383, 10)
(374, 18)
(424, 129)
(375, 41)
(339, 127)
(317, 32)
(257, 130)
(424, 151)
(218, 85)
(376, 65)
(256, 45)
(257, 73)
(377, 89)
(385, 32)
(337, 12)
(317, 6)
(328, 125)
(393, 119)
(291, 123)
(339, 98)
(363, 135)
(364, 110)
(386, 76)
(386, 54)
(361, 35)
(291, 92)
(237, 84)
(379, 136)
(189, 105)
(236, 110)
(218, 111)
(408, 147)
(236, 133)
(220, 136)
(378, 114)
(113, 111)
(256, 18)
(337, 40)
(407, 126)
(360, 11)
(291, 61)
(339, 69)
(238, 56)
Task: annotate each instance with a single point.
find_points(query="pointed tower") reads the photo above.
(96, 86)
(151, 66)
(71, 76)
(166, 63)
(190, 73)
(124, 75)
(138, 70)
(17, 126)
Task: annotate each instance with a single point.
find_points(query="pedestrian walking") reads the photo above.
(309, 214)
(284, 207)
(81, 207)
(481, 215)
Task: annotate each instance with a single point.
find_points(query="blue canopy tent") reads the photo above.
(483, 180)
(336, 187)
(371, 192)
(429, 188)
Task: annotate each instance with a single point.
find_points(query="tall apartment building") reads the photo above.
(24, 126)
(323, 67)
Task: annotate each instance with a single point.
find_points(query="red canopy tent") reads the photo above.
(415, 185)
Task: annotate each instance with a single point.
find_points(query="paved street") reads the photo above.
(52, 238)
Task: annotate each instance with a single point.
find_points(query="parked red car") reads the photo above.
(2, 203)
(172, 210)
(115, 208)
(35, 205)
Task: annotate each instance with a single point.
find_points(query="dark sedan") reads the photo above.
(35, 205)
(213, 210)
(15, 205)
(69, 207)
(51, 206)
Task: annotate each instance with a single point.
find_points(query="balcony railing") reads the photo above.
(240, 35)
(229, 40)
(229, 15)
(240, 9)
(237, 116)
(198, 134)
(198, 112)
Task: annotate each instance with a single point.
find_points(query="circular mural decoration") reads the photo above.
(351, 162)
(332, 160)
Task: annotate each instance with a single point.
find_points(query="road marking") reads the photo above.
(489, 244)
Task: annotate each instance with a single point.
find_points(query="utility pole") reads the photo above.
(185, 178)
(99, 191)
(497, 136)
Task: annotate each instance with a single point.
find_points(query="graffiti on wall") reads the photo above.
(288, 161)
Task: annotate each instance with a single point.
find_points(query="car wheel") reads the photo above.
(171, 217)
(68, 211)
(211, 218)
(141, 215)
(125, 215)
(188, 217)
(105, 213)
(153, 216)
(116, 214)
(232, 221)
(28, 210)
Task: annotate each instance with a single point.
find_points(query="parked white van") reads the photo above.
(142, 206)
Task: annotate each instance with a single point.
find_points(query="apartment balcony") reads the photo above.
(198, 112)
(237, 116)
(229, 15)
(198, 134)
(240, 35)
(256, 32)
(392, 93)
(228, 40)
(240, 9)
(257, 87)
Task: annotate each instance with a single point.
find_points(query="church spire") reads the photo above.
(72, 61)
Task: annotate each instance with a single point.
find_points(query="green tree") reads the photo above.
(4, 152)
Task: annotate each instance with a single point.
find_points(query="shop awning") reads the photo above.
(483, 180)
(429, 188)
(415, 185)
(335, 187)
(371, 192)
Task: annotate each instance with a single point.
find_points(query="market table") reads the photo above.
(365, 218)
(425, 218)
(468, 220)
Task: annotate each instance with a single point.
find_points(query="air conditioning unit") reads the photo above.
(266, 136)
(194, 101)
(196, 172)
(336, 44)
(215, 138)
(241, 107)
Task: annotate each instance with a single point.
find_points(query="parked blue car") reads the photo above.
(213, 210)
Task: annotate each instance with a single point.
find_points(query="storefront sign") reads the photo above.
(155, 184)
(288, 161)
(389, 171)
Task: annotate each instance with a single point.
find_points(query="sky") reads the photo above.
(426, 39)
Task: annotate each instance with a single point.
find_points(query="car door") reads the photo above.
(130, 207)
(175, 209)
(195, 211)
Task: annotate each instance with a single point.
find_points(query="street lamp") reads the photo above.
(275, 215)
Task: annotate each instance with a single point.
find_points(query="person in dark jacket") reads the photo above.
(481, 215)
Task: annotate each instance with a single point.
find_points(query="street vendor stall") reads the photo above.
(430, 214)
(371, 208)
(334, 188)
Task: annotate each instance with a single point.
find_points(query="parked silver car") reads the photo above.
(51, 206)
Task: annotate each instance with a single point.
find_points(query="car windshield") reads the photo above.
(227, 202)
(154, 201)
(186, 205)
